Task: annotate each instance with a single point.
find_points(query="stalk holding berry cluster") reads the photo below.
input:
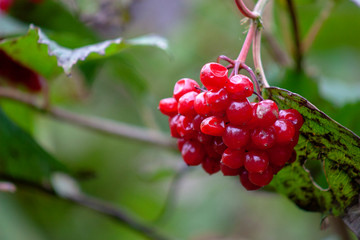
(218, 127)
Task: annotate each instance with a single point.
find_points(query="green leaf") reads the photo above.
(36, 51)
(334, 146)
(21, 157)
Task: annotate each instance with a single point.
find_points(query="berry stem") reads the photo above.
(254, 79)
(247, 44)
(245, 11)
(225, 58)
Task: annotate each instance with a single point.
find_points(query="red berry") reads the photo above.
(229, 171)
(204, 138)
(233, 158)
(256, 161)
(183, 86)
(186, 104)
(275, 168)
(266, 113)
(236, 137)
(180, 143)
(213, 76)
(279, 155)
(210, 151)
(200, 104)
(211, 165)
(294, 141)
(244, 179)
(240, 87)
(168, 106)
(239, 112)
(284, 131)
(218, 145)
(197, 122)
(292, 115)
(185, 127)
(263, 138)
(193, 153)
(213, 126)
(261, 179)
(173, 124)
(218, 100)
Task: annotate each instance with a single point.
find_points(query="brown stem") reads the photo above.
(245, 11)
(101, 125)
(296, 35)
(95, 204)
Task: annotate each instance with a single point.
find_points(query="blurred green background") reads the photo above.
(127, 87)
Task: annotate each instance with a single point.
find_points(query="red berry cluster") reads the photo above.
(220, 129)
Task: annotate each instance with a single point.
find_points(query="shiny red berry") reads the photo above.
(279, 155)
(266, 113)
(185, 127)
(218, 145)
(218, 100)
(185, 85)
(292, 115)
(244, 179)
(193, 153)
(197, 121)
(284, 130)
(173, 124)
(233, 158)
(214, 126)
(261, 179)
(213, 76)
(256, 161)
(168, 106)
(240, 87)
(211, 165)
(229, 171)
(180, 143)
(236, 137)
(200, 105)
(239, 112)
(263, 138)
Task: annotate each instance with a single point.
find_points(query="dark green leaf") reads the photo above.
(334, 146)
(21, 157)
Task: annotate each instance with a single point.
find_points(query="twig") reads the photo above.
(95, 204)
(296, 34)
(245, 11)
(101, 125)
(318, 23)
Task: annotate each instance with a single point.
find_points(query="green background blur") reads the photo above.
(127, 88)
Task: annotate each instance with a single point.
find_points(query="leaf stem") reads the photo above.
(98, 124)
(245, 11)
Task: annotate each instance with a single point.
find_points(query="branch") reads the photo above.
(101, 125)
(245, 11)
(296, 34)
(95, 204)
(318, 23)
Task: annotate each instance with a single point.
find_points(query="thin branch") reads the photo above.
(245, 11)
(101, 125)
(318, 23)
(95, 204)
(296, 34)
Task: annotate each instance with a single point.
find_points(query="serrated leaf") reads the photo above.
(36, 51)
(21, 157)
(322, 139)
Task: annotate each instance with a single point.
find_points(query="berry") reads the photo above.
(263, 138)
(211, 165)
(266, 113)
(186, 104)
(197, 122)
(279, 155)
(185, 127)
(239, 112)
(244, 179)
(193, 153)
(183, 86)
(233, 158)
(218, 145)
(168, 106)
(284, 130)
(293, 157)
(218, 100)
(275, 168)
(229, 171)
(180, 143)
(173, 124)
(236, 137)
(292, 115)
(256, 161)
(261, 179)
(200, 105)
(213, 126)
(204, 138)
(213, 76)
(240, 87)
